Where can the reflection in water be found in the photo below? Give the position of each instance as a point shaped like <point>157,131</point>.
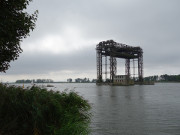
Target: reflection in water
<point>117,110</point>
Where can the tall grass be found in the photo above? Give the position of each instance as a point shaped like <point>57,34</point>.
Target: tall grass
<point>37,111</point>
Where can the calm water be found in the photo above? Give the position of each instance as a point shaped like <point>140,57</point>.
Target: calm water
<point>132,110</point>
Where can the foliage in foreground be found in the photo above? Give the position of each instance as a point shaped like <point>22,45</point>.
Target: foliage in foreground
<point>15,25</point>
<point>40,112</point>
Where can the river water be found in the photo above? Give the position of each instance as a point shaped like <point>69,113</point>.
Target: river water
<point>131,110</point>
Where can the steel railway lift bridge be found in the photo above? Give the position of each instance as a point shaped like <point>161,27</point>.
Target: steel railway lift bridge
<point>115,50</point>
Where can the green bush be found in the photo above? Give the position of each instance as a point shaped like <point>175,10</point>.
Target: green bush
<point>37,111</point>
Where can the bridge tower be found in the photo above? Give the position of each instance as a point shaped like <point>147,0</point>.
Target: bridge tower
<point>115,50</point>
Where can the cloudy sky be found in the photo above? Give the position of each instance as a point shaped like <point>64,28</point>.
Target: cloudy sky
<point>63,44</point>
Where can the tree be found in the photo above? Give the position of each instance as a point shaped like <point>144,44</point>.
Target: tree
<point>15,24</point>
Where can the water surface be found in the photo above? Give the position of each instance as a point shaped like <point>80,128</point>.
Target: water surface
<point>132,110</point>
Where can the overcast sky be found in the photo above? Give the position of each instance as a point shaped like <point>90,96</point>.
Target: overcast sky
<point>63,43</point>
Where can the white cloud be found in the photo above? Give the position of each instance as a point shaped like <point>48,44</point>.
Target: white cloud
<point>67,41</point>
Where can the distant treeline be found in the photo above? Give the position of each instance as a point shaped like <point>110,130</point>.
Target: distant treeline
<point>35,81</point>
<point>163,78</point>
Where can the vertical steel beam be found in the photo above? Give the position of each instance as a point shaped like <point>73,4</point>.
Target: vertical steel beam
<point>134,70</point>
<point>99,63</point>
<point>105,68</point>
<point>140,67</point>
<point>127,69</point>
<point>113,68</point>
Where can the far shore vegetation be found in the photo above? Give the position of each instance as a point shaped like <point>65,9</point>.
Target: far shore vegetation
<point>155,78</point>
<point>35,81</point>
<point>163,78</point>
<point>78,80</point>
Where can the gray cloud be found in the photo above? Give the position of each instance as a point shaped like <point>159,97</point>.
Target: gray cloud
<point>83,61</point>
<point>153,25</point>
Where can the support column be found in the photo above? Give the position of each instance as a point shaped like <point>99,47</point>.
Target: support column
<point>134,70</point>
<point>127,69</point>
<point>99,65</point>
<point>113,68</point>
<point>105,68</point>
<point>140,67</point>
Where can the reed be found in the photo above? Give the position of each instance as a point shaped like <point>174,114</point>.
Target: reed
<point>37,111</point>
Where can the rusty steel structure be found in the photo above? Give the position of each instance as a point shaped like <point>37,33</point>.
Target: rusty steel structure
<point>115,50</point>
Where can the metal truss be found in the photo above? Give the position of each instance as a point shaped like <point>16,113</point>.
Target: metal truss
<point>113,68</point>
<point>117,50</point>
<point>99,64</point>
<point>127,69</point>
